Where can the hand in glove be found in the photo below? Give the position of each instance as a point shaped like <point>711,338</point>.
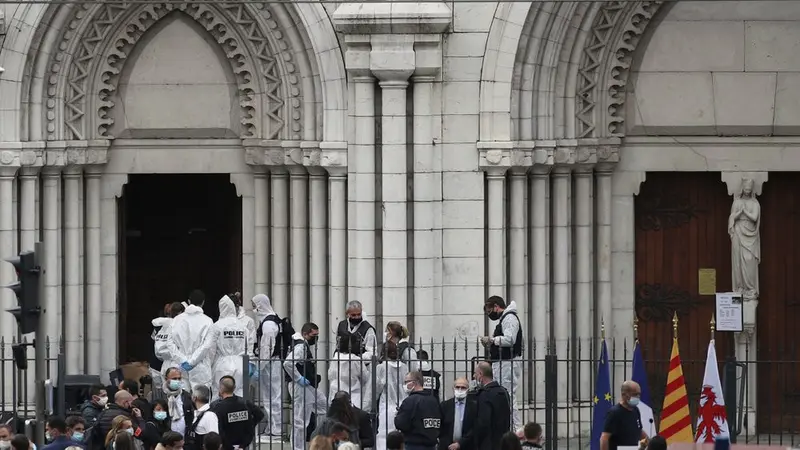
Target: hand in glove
<point>186,367</point>
<point>303,381</point>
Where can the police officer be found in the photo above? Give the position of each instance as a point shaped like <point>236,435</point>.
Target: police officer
<point>355,335</point>
<point>505,349</point>
<point>433,379</point>
<point>419,417</point>
<point>237,417</point>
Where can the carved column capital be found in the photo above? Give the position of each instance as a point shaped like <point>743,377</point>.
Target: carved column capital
<point>495,157</point>
<point>734,181</point>
<point>334,157</point>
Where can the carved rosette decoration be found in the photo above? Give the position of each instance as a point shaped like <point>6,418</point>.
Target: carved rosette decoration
<point>605,66</point>
<point>84,73</point>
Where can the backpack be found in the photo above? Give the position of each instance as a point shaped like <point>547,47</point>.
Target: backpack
<point>283,341</point>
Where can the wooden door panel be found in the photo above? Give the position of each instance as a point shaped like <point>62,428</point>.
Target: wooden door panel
<point>681,227</point>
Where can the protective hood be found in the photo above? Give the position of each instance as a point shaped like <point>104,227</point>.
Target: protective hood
<point>193,310</point>
<point>512,307</point>
<point>297,336</point>
<point>162,321</point>
<point>262,307</point>
<point>227,308</point>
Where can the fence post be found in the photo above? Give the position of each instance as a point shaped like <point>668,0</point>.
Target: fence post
<point>729,394</point>
<point>61,395</point>
<point>551,400</point>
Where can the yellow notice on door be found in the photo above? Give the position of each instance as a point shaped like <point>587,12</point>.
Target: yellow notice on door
<point>707,281</point>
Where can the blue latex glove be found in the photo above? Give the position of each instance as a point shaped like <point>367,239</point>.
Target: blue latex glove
<point>303,382</point>
<point>186,367</point>
<point>253,371</point>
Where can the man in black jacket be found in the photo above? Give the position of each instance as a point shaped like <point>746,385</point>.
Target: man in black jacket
<point>121,407</point>
<point>133,387</point>
<point>419,417</point>
<point>237,417</point>
<point>458,418</point>
<point>494,410</point>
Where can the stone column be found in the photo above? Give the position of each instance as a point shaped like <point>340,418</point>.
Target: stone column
<point>603,245</point>
<point>517,261</point>
<point>361,200</point>
<point>29,183</point>
<point>584,272</point>
<point>112,185</point>
<point>299,243</point>
<point>539,201</point>
<point>73,301</point>
<point>262,250</point>
<point>93,269</point>
<point>51,226</point>
<point>7,238</point>
<point>562,262</point>
<point>334,161</point>
<point>496,223</point>
<point>318,269</point>
<point>244,183</point>
<point>280,240</point>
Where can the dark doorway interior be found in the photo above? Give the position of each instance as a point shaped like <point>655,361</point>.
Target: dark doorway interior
<point>179,233</point>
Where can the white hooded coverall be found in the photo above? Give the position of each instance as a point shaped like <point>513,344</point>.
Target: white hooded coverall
<point>191,341</point>
<point>390,376</point>
<point>162,326</point>
<point>271,374</point>
<point>350,374</point>
<point>509,373</point>
<point>305,399</point>
<point>230,336</point>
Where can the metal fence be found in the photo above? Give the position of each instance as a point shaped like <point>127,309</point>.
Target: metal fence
<point>556,386</point>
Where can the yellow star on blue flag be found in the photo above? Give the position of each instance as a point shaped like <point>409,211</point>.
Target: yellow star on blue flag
<point>602,400</point>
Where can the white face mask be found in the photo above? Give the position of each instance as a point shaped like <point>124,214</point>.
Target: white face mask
<point>409,387</point>
<point>460,394</point>
<point>102,401</point>
<point>5,444</point>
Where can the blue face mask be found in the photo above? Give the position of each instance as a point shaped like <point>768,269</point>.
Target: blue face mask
<point>77,436</point>
<point>175,384</point>
<point>634,401</point>
<point>160,415</point>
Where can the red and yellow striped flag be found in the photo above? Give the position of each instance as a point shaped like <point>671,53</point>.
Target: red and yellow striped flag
<point>676,424</point>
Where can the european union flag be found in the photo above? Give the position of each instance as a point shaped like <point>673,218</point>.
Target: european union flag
<point>602,399</point>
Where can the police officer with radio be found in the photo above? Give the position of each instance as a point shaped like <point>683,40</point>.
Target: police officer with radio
<point>419,417</point>
<point>237,417</point>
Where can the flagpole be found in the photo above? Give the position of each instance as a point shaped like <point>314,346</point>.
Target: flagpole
<point>713,327</point>
<point>675,325</point>
<point>602,329</point>
<point>635,328</point>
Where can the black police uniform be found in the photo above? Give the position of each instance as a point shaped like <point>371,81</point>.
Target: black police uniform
<point>237,421</point>
<point>419,418</point>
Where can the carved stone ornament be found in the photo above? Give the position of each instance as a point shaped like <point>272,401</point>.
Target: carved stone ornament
<point>658,302</point>
<point>495,155</point>
<point>744,228</point>
<point>108,32</point>
<point>334,156</point>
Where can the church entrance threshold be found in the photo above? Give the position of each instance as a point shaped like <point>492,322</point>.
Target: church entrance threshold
<point>178,233</point>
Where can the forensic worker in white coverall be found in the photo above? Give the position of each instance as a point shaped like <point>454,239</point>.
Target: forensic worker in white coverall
<point>271,375</point>
<point>505,349</point>
<point>230,336</point>
<point>349,373</point>
<point>306,396</point>
<point>192,344</point>
<point>162,329</point>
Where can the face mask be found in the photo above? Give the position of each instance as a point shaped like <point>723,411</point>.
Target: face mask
<point>160,415</point>
<point>77,436</point>
<point>129,431</point>
<point>354,320</point>
<point>474,384</point>
<point>494,315</point>
<point>102,401</point>
<point>313,340</point>
<point>634,401</point>
<point>48,437</point>
<point>174,385</point>
<point>409,387</point>
<point>5,444</point>
<point>460,394</point>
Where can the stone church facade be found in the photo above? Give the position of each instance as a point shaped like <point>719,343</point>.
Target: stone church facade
<point>580,158</point>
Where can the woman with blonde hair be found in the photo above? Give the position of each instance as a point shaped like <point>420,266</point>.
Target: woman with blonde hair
<point>320,443</point>
<point>397,333</point>
<point>121,424</point>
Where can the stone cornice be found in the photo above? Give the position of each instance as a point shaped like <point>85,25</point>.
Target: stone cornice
<point>315,157</point>
<point>392,18</point>
<point>54,154</point>
<point>545,156</point>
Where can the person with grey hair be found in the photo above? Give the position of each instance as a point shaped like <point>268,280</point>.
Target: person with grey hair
<point>205,420</point>
<point>355,335</point>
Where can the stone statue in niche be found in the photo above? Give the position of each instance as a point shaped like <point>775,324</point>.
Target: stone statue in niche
<point>744,228</point>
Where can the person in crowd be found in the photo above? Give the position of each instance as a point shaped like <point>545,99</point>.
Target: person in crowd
<point>433,379</point>
<point>505,348</point>
<point>321,443</point>
<point>348,372</point>
<point>237,417</point>
<point>358,332</point>
<point>76,429</point>
<point>6,433</point>
<point>55,434</point>
<point>205,421</point>
<point>138,402</point>
<point>623,424</point>
<point>21,442</point>
<point>419,417</point>
<point>170,441</point>
<point>397,333</point>
<point>357,421</point>
<point>494,409</point>
<point>91,408</point>
<point>510,441</point>
<point>271,375</point>
<point>123,440</point>
<point>121,407</point>
<point>162,329</point>
<point>230,338</point>
<point>122,425</point>
<point>657,443</point>
<point>389,375</point>
<point>180,407</point>
<point>302,370</point>
<point>157,426</point>
<point>458,418</point>
<point>395,441</point>
<point>212,441</point>
<point>531,435</point>
<point>347,446</point>
<point>192,342</point>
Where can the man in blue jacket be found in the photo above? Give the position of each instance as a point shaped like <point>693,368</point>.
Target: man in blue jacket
<point>419,417</point>
<point>56,435</point>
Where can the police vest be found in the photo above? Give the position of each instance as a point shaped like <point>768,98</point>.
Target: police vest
<point>497,353</point>
<point>307,367</point>
<point>352,342</point>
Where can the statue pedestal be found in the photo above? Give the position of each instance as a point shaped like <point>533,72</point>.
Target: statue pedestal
<point>746,353</point>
